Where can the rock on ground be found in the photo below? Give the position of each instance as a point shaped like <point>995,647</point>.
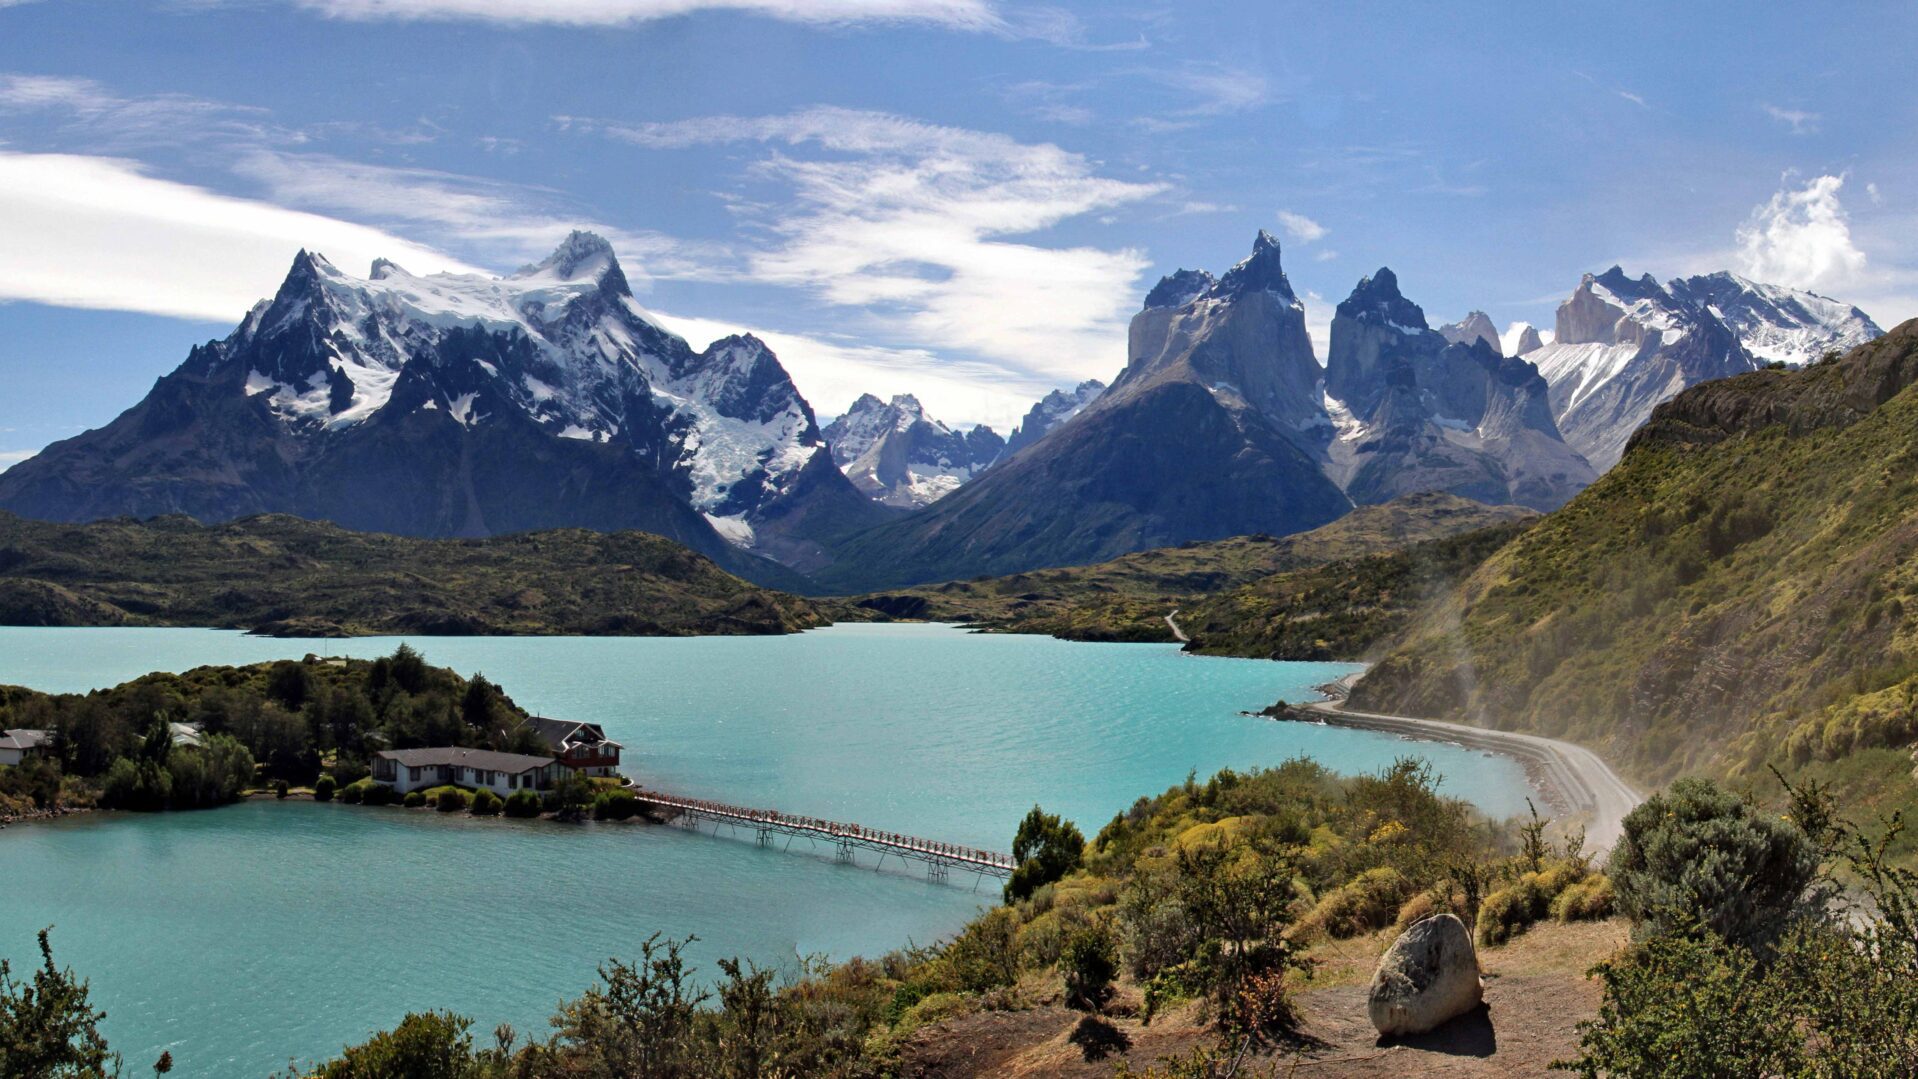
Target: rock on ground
<point>1429,975</point>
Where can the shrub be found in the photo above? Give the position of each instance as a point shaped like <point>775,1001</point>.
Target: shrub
<point>1588,900</point>
<point>1696,856</point>
<point>486,803</point>
<point>376,794</point>
<point>1089,964</point>
<point>1432,901</point>
<point>352,793</point>
<point>1507,912</point>
<point>1360,905</point>
<point>614,805</point>
<point>323,788</point>
<point>450,800</point>
<point>523,804</point>
<point>280,788</point>
<point>414,799</point>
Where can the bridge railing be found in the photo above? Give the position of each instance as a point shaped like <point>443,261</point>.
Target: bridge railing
<point>899,842</point>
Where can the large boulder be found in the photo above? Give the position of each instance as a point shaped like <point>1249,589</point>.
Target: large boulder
<point>1427,976</point>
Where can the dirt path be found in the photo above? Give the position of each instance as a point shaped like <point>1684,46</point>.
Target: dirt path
<point>1172,620</point>
<point>1574,779</point>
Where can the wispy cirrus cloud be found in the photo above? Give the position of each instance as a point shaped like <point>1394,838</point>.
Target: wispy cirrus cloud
<point>914,224</point>
<point>1302,228</point>
<point>1800,121</point>
<point>972,15</point>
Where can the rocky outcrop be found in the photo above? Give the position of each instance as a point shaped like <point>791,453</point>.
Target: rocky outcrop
<point>1428,976</point>
<point>1778,324</point>
<point>1522,338</point>
<point>1476,326</point>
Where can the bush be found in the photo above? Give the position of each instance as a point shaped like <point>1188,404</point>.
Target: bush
<point>352,793</point>
<point>486,803</point>
<point>414,799</point>
<point>1697,857</point>
<point>376,794</point>
<point>1089,964</point>
<point>1432,901</point>
<point>1588,900</point>
<point>1365,903</point>
<point>280,788</point>
<point>450,800</point>
<point>523,804</point>
<point>615,805</point>
<point>1509,911</point>
<point>323,789</point>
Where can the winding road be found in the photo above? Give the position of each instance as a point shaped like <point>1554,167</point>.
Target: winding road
<point>1578,781</point>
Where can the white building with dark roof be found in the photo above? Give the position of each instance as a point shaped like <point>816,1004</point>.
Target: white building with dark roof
<point>19,744</point>
<point>503,773</point>
<point>583,747</point>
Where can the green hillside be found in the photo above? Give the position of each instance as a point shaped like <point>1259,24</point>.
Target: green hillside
<point>1127,598</point>
<point>1737,592</point>
<point>292,577</point>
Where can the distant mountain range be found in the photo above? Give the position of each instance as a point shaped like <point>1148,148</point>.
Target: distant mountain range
<point>463,405</point>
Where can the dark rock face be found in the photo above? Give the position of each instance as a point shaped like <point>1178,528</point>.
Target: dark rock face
<point>453,405</point>
<point>899,456</point>
<point>1416,412</point>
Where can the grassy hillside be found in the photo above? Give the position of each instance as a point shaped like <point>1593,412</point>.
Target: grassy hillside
<point>1127,598</point>
<point>287,576</point>
<point>1739,591</point>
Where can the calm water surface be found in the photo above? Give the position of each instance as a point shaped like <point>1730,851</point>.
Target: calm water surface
<point>242,936</point>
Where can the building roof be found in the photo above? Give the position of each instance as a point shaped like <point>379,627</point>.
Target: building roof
<point>21,738</point>
<point>559,733</point>
<point>461,757</point>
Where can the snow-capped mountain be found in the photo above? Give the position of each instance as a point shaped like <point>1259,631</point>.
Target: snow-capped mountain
<point>1476,326</point>
<point>1623,346</point>
<point>1050,411</point>
<point>457,404</point>
<point>1778,324</point>
<point>897,455</point>
<point>1223,423</point>
<point>1417,409</point>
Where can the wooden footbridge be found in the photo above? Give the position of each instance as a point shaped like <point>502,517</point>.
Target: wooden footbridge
<point>844,840</point>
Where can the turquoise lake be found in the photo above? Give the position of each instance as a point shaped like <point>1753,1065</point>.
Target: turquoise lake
<point>243,937</point>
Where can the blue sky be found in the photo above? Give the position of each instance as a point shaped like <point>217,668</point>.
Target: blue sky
<point>960,198</point>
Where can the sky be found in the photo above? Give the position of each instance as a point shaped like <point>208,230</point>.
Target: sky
<point>961,199</point>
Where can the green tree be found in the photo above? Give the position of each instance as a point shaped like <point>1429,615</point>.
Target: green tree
<point>639,1021</point>
<point>1045,849</point>
<point>1089,963</point>
<point>48,1029</point>
<point>1697,857</point>
<point>426,1045</point>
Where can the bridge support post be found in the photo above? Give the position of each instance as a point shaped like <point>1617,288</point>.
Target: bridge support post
<point>765,837</point>
<point>845,851</point>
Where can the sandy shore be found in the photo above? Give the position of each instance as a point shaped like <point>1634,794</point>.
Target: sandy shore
<point>1575,782</point>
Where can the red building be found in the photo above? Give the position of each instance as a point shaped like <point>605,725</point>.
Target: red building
<point>582,747</point>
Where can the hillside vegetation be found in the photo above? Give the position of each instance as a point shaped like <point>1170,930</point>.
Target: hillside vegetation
<point>291,577</point>
<point>1127,598</point>
<point>1739,592</point>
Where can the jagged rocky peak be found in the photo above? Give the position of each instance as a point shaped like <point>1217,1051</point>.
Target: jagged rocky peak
<point>580,256</point>
<point>1053,409</point>
<point>1521,338</point>
<point>1178,288</point>
<point>897,455</point>
<point>1377,299</point>
<point>1261,271</point>
<point>1476,326</point>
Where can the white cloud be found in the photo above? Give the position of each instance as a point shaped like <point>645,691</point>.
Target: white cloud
<point>1633,98</point>
<point>98,232</point>
<point>1302,228</point>
<point>977,15</point>
<point>1325,255</point>
<point>1802,238</point>
<point>112,122</point>
<point>1800,121</point>
<point>912,224</point>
